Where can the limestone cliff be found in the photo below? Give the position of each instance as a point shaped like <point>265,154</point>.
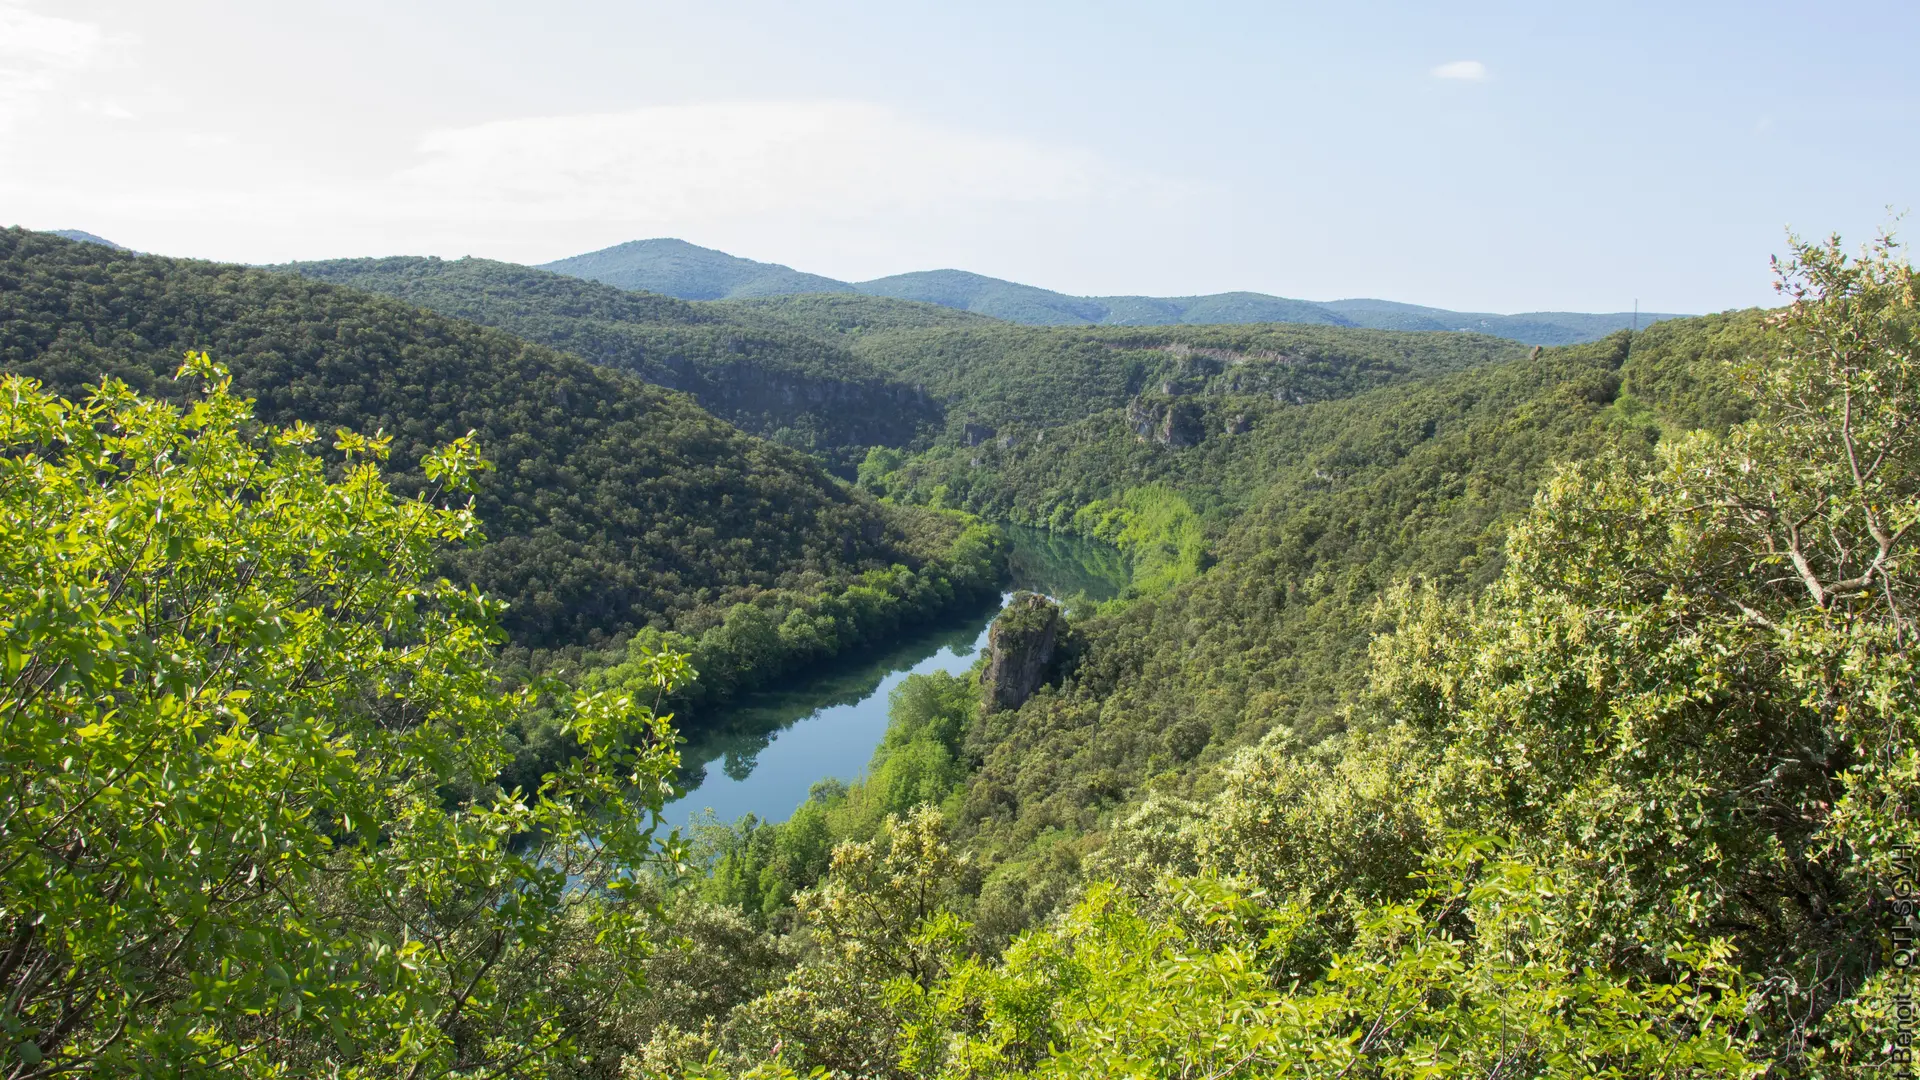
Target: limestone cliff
<point>1019,651</point>
<point>1169,421</point>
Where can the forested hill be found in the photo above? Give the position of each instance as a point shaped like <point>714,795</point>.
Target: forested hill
<point>1301,517</point>
<point>613,504</point>
<point>1452,700</point>
<point>763,376</point>
<point>677,268</point>
<point>1017,380</point>
<point>90,238</point>
<point>836,373</point>
<point>846,314</point>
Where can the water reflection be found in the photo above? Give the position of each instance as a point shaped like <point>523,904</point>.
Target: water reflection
<point>770,747</point>
<point>1072,570</point>
<point>752,723</point>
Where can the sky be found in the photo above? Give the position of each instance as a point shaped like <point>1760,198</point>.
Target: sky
<point>1486,157</point>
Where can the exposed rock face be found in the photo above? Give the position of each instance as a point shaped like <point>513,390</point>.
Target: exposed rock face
<point>1019,651</point>
<point>975,434</point>
<point>1168,421</point>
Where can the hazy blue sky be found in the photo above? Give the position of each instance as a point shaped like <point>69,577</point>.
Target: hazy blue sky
<point>1496,157</point>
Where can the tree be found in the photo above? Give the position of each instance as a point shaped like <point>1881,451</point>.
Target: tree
<point>249,736</point>
<point>1692,690</point>
<point>882,931</point>
<point>1470,977</point>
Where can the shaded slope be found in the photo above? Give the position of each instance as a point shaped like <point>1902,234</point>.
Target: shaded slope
<point>766,378</point>
<point>614,504</point>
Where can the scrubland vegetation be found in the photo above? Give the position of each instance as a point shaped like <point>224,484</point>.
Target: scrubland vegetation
<point>1471,712</point>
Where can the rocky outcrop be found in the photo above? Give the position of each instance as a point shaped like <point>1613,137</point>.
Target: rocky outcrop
<point>1196,356</point>
<point>1168,421</point>
<point>1019,651</point>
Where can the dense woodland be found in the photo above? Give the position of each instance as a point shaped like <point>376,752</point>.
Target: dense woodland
<point>1474,710</point>
<point>611,505</point>
<point>1017,381</point>
<point>802,390</point>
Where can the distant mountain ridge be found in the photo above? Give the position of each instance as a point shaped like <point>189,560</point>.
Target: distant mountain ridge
<point>690,272</point>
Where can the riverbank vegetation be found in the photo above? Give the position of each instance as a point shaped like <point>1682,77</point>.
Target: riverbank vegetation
<point>1566,814</point>
<point>1543,714</point>
<point>780,632</point>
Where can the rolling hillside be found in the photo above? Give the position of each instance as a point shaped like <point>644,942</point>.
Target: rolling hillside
<point>774,380</point>
<point>839,373</point>
<point>1016,380</point>
<point>613,504</point>
<point>677,268</point>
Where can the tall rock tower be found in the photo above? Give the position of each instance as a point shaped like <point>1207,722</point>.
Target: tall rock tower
<point>1019,651</point>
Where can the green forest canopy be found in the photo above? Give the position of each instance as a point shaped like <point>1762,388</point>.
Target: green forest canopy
<point>1018,379</point>
<point>836,374</point>
<point>794,387</point>
<point>1496,713</point>
<point>248,734</point>
<point>613,505</point>
<point>1545,714</point>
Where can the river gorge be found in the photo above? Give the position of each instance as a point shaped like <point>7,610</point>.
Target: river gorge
<point>771,747</point>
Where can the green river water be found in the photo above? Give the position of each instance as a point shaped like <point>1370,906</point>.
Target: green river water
<point>826,723</point>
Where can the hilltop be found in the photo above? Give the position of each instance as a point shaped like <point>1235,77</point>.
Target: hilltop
<point>677,268</point>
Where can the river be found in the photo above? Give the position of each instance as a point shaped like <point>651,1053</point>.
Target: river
<point>777,743</point>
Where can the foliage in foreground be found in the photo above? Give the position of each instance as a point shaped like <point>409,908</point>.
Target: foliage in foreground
<point>613,505</point>
<point>1687,708</point>
<point>1694,685</point>
<point>1472,975</point>
<point>1684,703</point>
<point>248,735</point>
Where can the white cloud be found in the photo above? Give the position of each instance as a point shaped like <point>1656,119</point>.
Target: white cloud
<point>1465,70</point>
<point>694,163</point>
<point>850,189</point>
<point>35,50</point>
